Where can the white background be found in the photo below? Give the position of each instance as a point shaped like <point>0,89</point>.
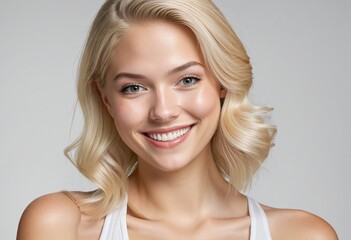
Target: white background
<point>300,52</point>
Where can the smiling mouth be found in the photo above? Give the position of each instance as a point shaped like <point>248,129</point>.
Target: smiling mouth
<point>168,136</point>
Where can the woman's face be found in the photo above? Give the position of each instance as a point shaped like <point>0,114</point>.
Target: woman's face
<point>164,102</point>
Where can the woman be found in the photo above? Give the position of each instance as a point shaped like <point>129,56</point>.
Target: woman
<point>170,136</point>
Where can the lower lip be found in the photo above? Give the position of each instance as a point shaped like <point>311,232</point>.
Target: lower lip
<point>169,144</point>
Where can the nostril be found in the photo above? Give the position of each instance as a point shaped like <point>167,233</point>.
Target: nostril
<point>163,114</point>
<point>165,107</point>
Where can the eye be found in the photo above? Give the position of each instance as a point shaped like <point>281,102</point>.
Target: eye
<point>188,81</point>
<point>132,88</point>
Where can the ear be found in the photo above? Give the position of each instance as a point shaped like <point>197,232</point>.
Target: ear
<point>222,93</point>
<point>104,97</point>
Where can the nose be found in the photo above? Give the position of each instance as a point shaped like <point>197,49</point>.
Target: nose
<point>164,107</point>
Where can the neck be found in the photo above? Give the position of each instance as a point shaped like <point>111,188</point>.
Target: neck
<point>193,190</point>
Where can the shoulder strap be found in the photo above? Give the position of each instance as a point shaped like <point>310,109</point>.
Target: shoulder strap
<point>259,224</point>
<point>115,224</point>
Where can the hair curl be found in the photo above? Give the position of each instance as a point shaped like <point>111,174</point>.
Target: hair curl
<point>243,138</point>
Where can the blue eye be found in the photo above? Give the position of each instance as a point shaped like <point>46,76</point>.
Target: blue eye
<point>132,88</point>
<point>188,81</point>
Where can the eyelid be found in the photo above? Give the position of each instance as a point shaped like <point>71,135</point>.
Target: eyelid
<point>190,75</point>
<point>125,86</point>
<point>193,76</point>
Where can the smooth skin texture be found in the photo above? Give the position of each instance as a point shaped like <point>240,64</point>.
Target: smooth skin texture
<point>158,83</point>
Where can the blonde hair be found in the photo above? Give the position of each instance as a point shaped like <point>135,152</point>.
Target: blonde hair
<point>242,140</point>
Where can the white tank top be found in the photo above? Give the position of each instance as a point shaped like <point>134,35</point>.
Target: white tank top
<point>115,225</point>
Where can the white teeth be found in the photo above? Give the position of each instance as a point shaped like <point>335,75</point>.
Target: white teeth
<point>164,137</point>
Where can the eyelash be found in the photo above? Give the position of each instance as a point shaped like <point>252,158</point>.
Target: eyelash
<point>127,89</point>
<point>194,79</point>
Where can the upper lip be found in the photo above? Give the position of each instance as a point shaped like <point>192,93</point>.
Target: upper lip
<point>168,129</point>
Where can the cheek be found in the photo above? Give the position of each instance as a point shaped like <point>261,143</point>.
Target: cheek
<point>205,103</point>
<point>127,115</point>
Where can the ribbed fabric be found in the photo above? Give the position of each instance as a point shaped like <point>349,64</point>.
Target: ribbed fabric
<point>259,229</point>
<point>115,225</point>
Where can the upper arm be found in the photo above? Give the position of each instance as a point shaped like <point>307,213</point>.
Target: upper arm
<point>51,217</point>
<point>296,224</point>
<point>318,227</point>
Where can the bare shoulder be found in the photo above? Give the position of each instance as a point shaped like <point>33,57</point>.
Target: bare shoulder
<point>57,216</point>
<point>53,216</point>
<point>297,224</point>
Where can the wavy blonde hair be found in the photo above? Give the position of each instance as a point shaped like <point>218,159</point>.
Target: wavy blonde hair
<point>243,138</point>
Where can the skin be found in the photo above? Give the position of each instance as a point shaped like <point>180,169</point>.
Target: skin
<point>157,82</point>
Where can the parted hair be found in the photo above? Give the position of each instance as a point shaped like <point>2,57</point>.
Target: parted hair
<point>243,138</point>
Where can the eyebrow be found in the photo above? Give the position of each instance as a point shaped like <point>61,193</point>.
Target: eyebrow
<point>169,73</point>
<point>183,67</point>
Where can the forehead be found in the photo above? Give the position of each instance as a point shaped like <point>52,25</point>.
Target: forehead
<point>143,32</point>
<point>153,44</point>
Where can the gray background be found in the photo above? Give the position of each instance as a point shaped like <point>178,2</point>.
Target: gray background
<point>301,57</point>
